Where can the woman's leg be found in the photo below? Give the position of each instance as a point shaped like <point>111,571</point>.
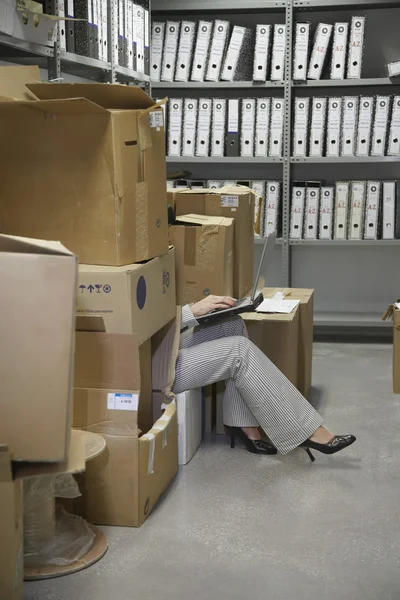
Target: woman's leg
<point>282,412</point>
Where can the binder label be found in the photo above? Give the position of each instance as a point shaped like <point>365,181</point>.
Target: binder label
<point>233,116</point>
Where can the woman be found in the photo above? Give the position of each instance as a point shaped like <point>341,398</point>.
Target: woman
<point>257,393</point>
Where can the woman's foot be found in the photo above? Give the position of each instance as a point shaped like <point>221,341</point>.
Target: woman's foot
<point>252,440</point>
<point>325,442</point>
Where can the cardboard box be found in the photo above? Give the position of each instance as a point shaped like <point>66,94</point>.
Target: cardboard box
<point>204,257</point>
<point>37,308</point>
<point>138,298</point>
<point>171,195</point>
<point>232,202</point>
<point>393,311</point>
<point>27,25</point>
<point>122,486</point>
<point>104,193</point>
<point>190,409</point>
<point>306,333</point>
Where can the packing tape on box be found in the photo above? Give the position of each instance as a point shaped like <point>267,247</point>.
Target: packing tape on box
<point>151,438</point>
<point>142,216</point>
<point>207,251</point>
<point>162,425</point>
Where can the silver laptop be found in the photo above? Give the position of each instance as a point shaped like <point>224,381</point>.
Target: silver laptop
<point>245,304</point>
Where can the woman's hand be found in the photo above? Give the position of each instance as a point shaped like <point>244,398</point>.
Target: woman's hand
<point>211,303</point>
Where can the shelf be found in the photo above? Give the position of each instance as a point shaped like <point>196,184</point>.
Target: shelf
<point>216,85</point>
<point>130,75</point>
<point>223,159</point>
<point>28,47</point>
<point>261,241</point>
<point>344,159</point>
<point>217,5</point>
<point>376,81</point>
<point>330,319</point>
<point>83,66</point>
<point>342,4</point>
<point>347,243</point>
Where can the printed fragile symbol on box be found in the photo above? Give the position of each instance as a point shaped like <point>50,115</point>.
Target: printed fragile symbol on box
<point>97,288</point>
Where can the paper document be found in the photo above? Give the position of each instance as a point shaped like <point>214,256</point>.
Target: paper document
<point>276,305</point>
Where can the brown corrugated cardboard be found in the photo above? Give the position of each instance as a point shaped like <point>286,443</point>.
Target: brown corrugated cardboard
<point>235,202</point>
<point>123,484</point>
<point>203,257</point>
<point>37,308</point>
<point>13,81</point>
<point>171,195</point>
<point>306,332</point>
<point>277,335</point>
<point>393,311</point>
<point>104,193</point>
<point>138,299</point>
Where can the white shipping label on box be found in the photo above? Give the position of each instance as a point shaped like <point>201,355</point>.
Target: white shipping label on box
<point>278,53</point>
<point>262,126</point>
<point>349,125</point>
<point>297,213</point>
<point>326,213</point>
<point>333,129</point>
<point>389,210</point>
<point>372,210</point>
<point>394,132</point>
<point>204,127</point>
<point>380,127</point>
<point>157,44</point>
<point>261,52</point>
<point>201,50</point>
<point>189,126</point>
<point>276,129</point>
<point>311,213</point>
<point>218,127</point>
<point>232,55</point>
<point>341,209</point>
<point>301,49</point>
<point>364,125</point>
<point>248,123</point>
<point>229,201</point>
<point>356,48</point>
<point>218,44</point>
<point>185,50</point>
<point>357,208</point>
<point>339,50</point>
<point>175,127</point>
<point>319,51</point>
<point>123,402</point>
<point>170,51</point>
<point>273,195</point>
<point>301,121</point>
<point>156,119</point>
<point>317,133</point>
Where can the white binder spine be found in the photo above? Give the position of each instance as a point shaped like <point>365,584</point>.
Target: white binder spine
<point>301,126</point>
<point>339,50</point>
<point>342,189</point>
<point>140,36</point>
<point>114,36</point>
<point>262,126</point>
<point>357,210</point>
<point>317,133</point>
<point>394,132</point>
<point>276,130</point>
<point>319,51</point>
<point>247,130</point>
<point>349,125</point>
<point>380,127</point>
<point>301,51</point>
<point>333,129</point>
<point>104,22</point>
<point>389,210</point>
<point>170,50</point>
<point>278,53</point>
<point>297,212</point>
<point>372,210</point>
<point>356,48</point>
<point>185,50</point>
<point>218,127</point>
<point>272,207</point>
<point>204,127</point>
<point>232,54</point>
<point>218,46</point>
<point>157,45</point>
<point>262,52</point>
<point>364,125</point>
<point>189,126</point>
<point>175,127</point>
<point>201,50</point>
<point>326,213</point>
<point>311,212</point>
<point>213,184</point>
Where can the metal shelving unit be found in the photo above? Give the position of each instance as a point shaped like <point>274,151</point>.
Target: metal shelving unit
<point>301,266</point>
<point>223,159</point>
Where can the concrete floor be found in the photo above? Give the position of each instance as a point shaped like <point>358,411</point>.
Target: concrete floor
<point>238,526</point>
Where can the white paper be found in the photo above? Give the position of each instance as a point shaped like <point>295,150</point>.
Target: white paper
<point>275,305</point>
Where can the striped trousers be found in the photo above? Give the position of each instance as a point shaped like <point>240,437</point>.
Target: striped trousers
<point>257,393</point>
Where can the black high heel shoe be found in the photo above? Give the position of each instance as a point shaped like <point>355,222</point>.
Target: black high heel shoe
<point>339,442</point>
<point>254,446</point>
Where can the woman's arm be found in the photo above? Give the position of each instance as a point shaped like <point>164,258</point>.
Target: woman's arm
<point>188,318</point>
<point>189,313</point>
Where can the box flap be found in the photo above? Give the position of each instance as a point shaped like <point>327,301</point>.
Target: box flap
<point>21,245</point>
<point>203,220</point>
<point>13,82</point>
<point>238,190</point>
<point>110,96</point>
<point>74,106</point>
<point>107,361</point>
<point>165,348</point>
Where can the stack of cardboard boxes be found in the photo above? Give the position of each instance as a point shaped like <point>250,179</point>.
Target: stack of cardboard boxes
<point>94,177</point>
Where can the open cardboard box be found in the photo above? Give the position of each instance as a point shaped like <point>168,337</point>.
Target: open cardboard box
<point>393,311</point>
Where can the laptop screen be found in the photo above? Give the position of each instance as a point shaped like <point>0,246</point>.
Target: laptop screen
<point>267,250</point>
